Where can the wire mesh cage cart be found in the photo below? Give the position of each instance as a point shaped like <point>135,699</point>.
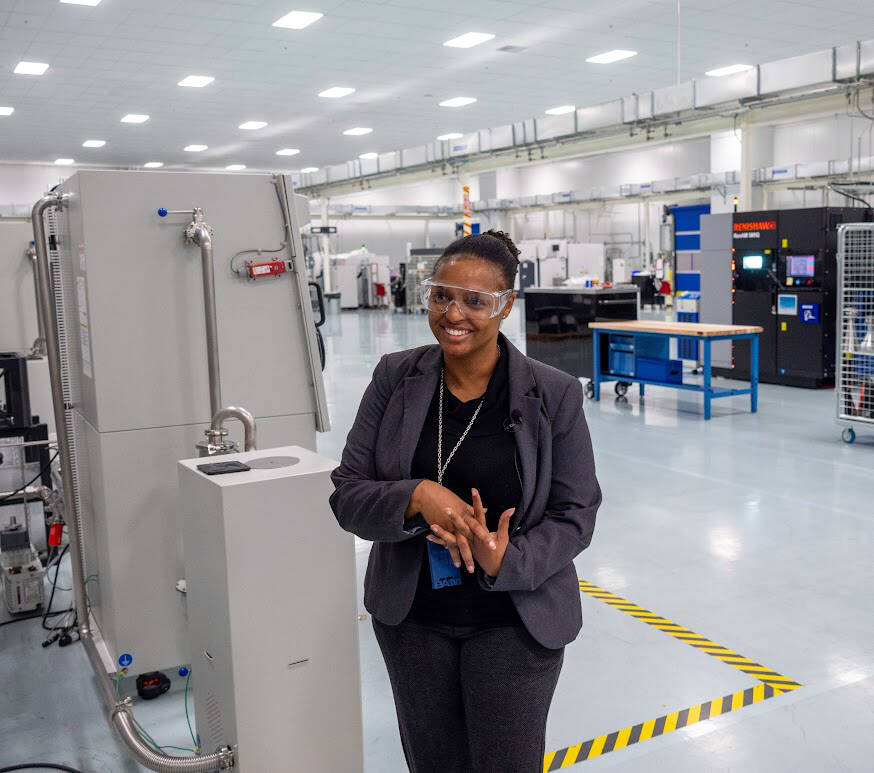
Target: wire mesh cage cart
<point>855,338</point>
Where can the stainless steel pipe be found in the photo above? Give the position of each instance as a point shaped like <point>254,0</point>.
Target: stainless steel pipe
<point>39,346</point>
<point>199,233</point>
<point>235,412</point>
<point>120,712</point>
<point>46,310</point>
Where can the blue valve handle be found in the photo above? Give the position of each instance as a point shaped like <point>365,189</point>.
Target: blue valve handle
<point>162,212</point>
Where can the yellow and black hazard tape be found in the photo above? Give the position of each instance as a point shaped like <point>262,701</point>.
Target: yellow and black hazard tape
<point>564,758</point>
<point>729,657</point>
<point>773,684</point>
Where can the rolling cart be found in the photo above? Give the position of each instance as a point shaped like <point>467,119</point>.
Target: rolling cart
<point>855,331</point>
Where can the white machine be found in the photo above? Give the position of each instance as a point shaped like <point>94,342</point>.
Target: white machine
<point>274,636</point>
<point>586,260</point>
<point>346,273</point>
<point>144,366</point>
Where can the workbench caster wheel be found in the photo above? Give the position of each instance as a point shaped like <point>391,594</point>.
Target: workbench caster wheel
<point>589,390</point>
<point>848,435</point>
<point>621,388</point>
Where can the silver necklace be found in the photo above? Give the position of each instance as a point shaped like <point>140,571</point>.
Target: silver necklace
<point>441,468</point>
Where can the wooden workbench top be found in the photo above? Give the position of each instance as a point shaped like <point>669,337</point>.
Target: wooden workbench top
<point>700,329</point>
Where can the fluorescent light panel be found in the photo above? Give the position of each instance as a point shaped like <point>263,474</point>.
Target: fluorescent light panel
<point>368,156</point>
<point>195,148</point>
<point>336,92</point>
<point>357,131</point>
<point>235,167</point>
<point>450,136</point>
<point>135,118</point>
<point>608,57</point>
<point>469,40</point>
<point>732,69</point>
<point>7,110</point>
<point>309,169</point>
<point>253,125</point>
<point>458,102</point>
<point>93,143</point>
<point>561,110</point>
<point>287,152</point>
<point>153,164</point>
<point>30,68</point>
<point>196,81</point>
<point>64,161</point>
<point>297,20</point>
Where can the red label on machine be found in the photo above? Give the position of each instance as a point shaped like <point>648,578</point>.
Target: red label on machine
<point>756,225</point>
<point>273,268</point>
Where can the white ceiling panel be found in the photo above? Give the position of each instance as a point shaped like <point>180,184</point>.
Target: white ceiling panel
<point>127,56</point>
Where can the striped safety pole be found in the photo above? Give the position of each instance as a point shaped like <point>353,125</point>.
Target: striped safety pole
<point>466,226</point>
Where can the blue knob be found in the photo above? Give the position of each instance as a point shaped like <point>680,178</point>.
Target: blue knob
<point>183,672</point>
<point>162,212</point>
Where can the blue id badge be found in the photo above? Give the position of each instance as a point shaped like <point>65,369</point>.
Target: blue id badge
<point>444,574</point>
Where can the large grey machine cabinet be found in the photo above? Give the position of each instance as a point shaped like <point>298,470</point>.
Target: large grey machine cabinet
<point>135,363</point>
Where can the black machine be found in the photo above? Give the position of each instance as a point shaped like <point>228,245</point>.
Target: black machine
<point>16,420</point>
<point>557,322</point>
<point>784,279</point>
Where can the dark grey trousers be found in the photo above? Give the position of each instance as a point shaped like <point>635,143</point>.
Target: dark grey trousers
<point>470,701</point>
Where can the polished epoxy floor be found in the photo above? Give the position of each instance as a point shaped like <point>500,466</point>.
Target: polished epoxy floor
<point>755,532</point>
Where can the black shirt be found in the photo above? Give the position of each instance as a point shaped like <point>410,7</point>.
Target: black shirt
<point>486,460</point>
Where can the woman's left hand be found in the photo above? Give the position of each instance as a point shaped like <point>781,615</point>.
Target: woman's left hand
<point>488,554</point>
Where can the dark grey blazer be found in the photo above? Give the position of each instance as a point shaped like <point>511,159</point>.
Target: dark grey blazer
<point>560,493</point>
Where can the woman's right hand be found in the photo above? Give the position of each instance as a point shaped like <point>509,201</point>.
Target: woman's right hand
<point>437,504</point>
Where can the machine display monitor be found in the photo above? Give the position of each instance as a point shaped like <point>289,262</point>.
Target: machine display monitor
<point>800,265</point>
<point>753,262</point>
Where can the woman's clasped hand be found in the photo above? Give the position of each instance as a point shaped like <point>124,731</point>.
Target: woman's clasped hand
<point>468,539</point>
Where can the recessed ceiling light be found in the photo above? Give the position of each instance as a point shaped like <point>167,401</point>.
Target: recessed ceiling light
<point>732,69</point>
<point>93,143</point>
<point>287,152</point>
<point>616,55</point>
<point>560,110</point>
<point>235,167</point>
<point>335,92</point>
<point>64,161</point>
<point>30,68</point>
<point>357,131</point>
<point>196,81</point>
<point>309,169</point>
<point>135,118</point>
<point>195,148</point>
<point>81,2</point>
<point>153,164</point>
<point>450,136</point>
<point>7,110</point>
<point>469,40</point>
<point>368,156</point>
<point>457,102</point>
<point>297,20</point>
<point>252,125</point>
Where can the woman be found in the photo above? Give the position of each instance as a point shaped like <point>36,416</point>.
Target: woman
<point>470,468</point>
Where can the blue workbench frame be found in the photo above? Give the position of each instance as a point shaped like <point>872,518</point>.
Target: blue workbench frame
<point>710,392</point>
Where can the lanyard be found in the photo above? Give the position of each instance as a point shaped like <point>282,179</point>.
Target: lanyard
<point>441,468</point>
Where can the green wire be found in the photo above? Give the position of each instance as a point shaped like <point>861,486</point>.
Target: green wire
<point>187,716</point>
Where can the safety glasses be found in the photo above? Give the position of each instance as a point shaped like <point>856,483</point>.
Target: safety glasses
<point>473,304</point>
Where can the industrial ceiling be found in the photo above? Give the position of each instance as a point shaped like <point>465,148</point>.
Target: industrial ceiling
<point>127,56</point>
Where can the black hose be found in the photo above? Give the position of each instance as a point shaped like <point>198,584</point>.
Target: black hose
<point>39,766</point>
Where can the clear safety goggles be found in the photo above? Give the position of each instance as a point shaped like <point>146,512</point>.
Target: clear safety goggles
<point>473,304</point>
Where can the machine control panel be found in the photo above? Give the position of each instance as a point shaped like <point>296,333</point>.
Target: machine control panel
<point>801,270</point>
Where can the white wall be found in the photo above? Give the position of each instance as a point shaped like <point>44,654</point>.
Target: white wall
<point>22,184</point>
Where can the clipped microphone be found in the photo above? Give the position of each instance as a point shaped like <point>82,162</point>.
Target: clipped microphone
<point>513,421</point>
